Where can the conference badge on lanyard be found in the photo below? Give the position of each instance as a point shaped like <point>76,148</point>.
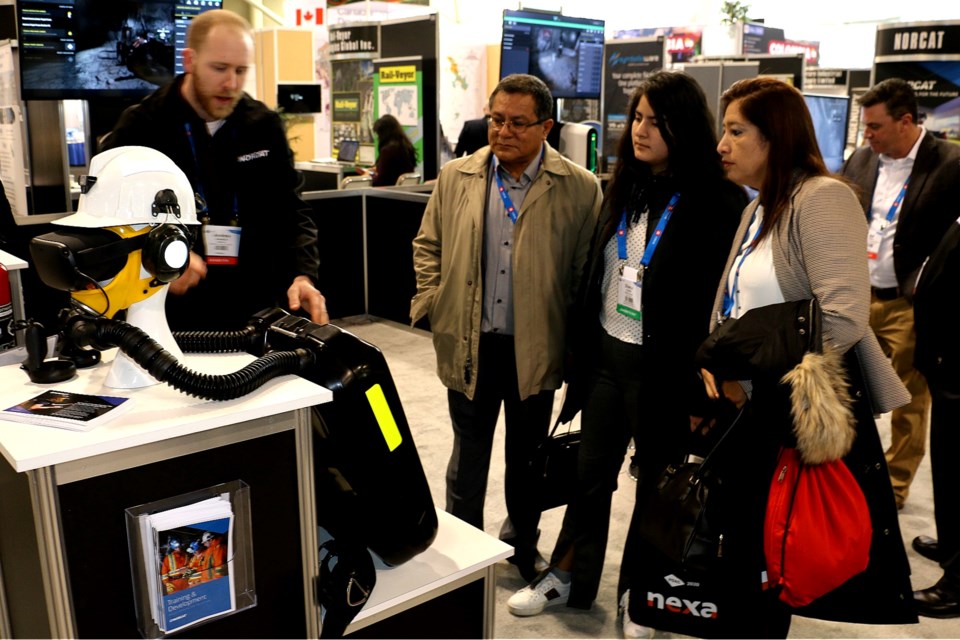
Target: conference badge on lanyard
<point>629,294</point>
<point>630,289</point>
<point>221,244</point>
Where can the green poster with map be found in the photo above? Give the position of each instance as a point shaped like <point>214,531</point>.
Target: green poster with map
<point>398,91</point>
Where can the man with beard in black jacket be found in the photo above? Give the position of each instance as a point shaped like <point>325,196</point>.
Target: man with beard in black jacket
<point>258,244</point>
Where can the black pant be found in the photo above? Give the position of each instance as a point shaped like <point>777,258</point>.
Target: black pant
<point>944,447</point>
<point>474,422</point>
<point>621,402</point>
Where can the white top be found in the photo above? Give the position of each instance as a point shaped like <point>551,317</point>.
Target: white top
<point>893,173</point>
<point>159,412</point>
<point>757,284</point>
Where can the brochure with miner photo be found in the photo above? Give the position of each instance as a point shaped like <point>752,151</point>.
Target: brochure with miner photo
<point>191,576</point>
<point>191,558</point>
<point>67,410</point>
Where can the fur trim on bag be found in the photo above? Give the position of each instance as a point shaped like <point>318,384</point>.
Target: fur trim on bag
<point>821,407</point>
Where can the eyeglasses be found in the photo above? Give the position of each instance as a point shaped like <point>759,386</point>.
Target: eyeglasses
<point>496,124</point>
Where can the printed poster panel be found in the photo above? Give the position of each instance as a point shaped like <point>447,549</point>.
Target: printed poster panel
<point>352,101</point>
<point>927,55</point>
<point>683,43</point>
<point>11,135</point>
<point>463,85</point>
<point>756,38</point>
<point>398,87</point>
<point>626,64</point>
<point>937,86</point>
<point>351,49</point>
<point>398,92</point>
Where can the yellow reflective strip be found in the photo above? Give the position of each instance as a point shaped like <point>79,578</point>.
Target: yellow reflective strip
<point>381,411</point>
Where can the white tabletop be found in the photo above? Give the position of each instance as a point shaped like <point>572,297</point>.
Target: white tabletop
<point>11,262</point>
<point>316,165</point>
<point>158,413</point>
<point>459,550</point>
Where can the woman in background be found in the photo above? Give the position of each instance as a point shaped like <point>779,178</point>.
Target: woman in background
<point>667,220</point>
<point>801,238</point>
<point>396,155</point>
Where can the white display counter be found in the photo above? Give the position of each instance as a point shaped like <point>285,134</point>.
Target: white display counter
<point>63,493</point>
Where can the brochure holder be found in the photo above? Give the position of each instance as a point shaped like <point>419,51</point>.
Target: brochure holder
<point>191,558</point>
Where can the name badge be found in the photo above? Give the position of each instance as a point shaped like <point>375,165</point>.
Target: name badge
<point>629,293</point>
<point>222,244</point>
<point>874,237</point>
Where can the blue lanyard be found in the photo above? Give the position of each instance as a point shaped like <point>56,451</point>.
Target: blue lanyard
<point>654,239</point>
<point>728,298</point>
<point>196,161</point>
<point>896,202</point>
<point>507,202</point>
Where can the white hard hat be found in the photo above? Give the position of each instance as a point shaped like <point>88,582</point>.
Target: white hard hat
<point>123,187</point>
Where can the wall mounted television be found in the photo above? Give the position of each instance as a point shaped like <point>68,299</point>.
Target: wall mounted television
<point>85,49</point>
<point>564,52</point>
<point>299,98</point>
<point>830,116</point>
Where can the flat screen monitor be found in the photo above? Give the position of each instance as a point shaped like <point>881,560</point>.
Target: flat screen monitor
<point>830,115</point>
<point>84,49</point>
<point>299,98</point>
<point>348,151</point>
<point>564,52</point>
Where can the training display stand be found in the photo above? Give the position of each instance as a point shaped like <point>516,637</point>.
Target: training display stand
<point>63,495</point>
<point>191,557</point>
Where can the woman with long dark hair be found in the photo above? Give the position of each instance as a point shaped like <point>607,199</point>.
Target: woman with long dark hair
<point>802,238</point>
<point>668,217</point>
<point>396,155</point>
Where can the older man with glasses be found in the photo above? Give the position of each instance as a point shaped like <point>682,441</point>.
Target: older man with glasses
<point>498,260</point>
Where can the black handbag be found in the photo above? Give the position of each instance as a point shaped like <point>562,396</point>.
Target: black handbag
<point>677,517</point>
<point>555,466</point>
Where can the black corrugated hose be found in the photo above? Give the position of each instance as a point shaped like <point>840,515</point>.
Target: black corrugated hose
<point>104,333</point>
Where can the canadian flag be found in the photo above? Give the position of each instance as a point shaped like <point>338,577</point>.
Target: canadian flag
<point>307,17</point>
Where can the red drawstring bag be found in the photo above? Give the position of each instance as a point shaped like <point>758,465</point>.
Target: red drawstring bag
<point>817,529</point>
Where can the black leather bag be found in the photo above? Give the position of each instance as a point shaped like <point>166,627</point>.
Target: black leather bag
<point>678,519</point>
<point>555,466</point>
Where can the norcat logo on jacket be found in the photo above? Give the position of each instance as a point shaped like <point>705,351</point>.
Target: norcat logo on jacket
<point>247,157</point>
<point>674,604</point>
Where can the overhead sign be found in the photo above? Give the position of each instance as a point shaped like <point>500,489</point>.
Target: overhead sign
<point>357,39</point>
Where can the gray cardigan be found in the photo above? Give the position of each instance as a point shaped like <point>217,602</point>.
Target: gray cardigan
<point>819,250</point>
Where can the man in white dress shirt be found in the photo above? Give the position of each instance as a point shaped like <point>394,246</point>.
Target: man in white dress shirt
<point>909,187</point>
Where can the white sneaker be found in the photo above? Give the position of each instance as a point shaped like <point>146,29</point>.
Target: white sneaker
<point>546,590</point>
<point>630,628</point>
